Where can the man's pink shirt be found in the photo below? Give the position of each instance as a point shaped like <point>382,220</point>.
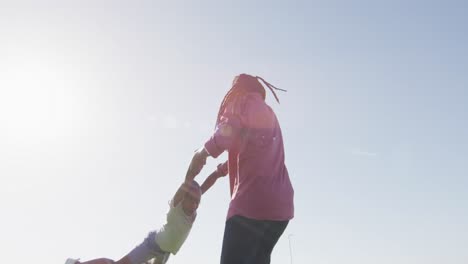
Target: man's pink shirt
<point>259,180</point>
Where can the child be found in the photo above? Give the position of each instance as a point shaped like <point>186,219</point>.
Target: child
<point>159,244</point>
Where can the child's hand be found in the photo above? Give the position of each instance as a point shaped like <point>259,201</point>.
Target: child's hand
<point>197,163</point>
<point>222,169</point>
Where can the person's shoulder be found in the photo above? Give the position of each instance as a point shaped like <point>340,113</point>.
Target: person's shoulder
<point>173,206</point>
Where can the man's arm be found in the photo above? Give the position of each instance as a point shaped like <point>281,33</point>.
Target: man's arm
<point>225,134</point>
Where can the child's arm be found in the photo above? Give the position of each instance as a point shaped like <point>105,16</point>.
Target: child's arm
<point>221,171</point>
<point>179,195</point>
<point>209,181</point>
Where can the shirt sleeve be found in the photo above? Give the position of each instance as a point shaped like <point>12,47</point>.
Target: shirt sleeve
<point>227,130</point>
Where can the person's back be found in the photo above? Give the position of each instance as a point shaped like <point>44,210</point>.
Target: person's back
<point>261,192</point>
<point>262,188</point>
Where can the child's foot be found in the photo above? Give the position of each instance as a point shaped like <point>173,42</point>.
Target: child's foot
<point>72,261</point>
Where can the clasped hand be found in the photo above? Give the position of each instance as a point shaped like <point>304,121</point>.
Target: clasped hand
<point>197,163</point>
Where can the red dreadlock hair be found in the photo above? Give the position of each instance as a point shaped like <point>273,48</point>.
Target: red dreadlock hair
<point>242,84</point>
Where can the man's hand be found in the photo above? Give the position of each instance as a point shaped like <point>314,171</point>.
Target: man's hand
<point>197,163</point>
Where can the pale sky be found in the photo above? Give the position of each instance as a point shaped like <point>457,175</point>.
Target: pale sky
<point>102,104</point>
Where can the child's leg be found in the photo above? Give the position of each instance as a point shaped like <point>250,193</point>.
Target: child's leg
<point>147,250</point>
<point>124,260</point>
<point>98,261</point>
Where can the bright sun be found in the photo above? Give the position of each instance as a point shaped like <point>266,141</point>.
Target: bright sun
<point>36,105</point>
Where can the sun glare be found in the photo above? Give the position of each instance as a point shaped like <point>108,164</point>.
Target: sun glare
<point>36,105</point>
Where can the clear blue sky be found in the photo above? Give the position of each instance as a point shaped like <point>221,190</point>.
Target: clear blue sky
<point>103,102</point>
